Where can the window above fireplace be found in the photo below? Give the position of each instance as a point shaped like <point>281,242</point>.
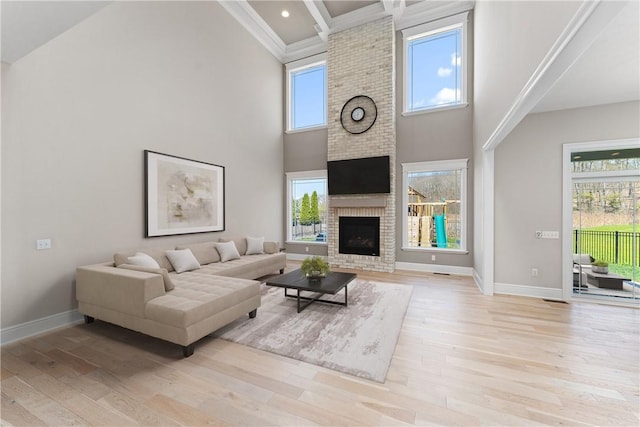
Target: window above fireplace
<point>307,93</point>
<point>435,64</point>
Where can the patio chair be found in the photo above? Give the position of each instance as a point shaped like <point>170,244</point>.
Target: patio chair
<point>581,264</point>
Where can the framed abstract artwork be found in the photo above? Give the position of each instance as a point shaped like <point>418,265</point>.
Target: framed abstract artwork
<point>182,196</point>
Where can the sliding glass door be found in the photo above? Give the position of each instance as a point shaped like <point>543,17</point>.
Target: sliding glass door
<point>605,238</point>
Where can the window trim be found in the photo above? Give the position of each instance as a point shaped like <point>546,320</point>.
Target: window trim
<point>431,166</point>
<point>291,176</point>
<point>429,29</point>
<point>299,65</point>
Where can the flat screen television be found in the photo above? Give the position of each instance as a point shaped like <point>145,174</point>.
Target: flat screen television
<point>369,175</point>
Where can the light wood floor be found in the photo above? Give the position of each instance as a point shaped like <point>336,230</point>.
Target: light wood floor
<point>462,359</point>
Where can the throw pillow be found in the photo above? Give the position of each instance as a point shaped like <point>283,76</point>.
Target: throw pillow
<point>255,245</point>
<point>143,259</point>
<point>240,242</point>
<point>158,253</point>
<point>168,283</point>
<point>183,260</point>
<point>122,257</point>
<point>227,251</point>
<point>271,247</point>
<point>205,253</point>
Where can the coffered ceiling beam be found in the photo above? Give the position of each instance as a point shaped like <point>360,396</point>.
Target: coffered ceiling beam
<point>358,17</point>
<point>249,18</point>
<point>394,7</point>
<point>321,15</point>
<point>427,11</point>
<point>404,16</point>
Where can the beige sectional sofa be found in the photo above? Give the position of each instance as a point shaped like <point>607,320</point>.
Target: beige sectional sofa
<point>216,288</point>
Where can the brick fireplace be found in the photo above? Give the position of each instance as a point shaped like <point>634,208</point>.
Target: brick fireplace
<point>361,61</point>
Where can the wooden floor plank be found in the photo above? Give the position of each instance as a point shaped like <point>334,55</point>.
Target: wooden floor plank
<point>13,413</point>
<point>184,414</point>
<point>311,412</point>
<point>135,409</point>
<point>38,404</point>
<point>76,363</point>
<point>462,358</point>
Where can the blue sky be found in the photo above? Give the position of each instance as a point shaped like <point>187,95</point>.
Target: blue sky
<point>436,79</point>
<point>308,89</point>
<point>308,186</point>
<point>437,71</point>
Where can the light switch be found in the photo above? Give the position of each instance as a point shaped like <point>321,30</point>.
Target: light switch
<point>43,244</point>
<point>547,234</point>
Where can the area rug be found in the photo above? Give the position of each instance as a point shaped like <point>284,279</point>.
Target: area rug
<point>358,339</point>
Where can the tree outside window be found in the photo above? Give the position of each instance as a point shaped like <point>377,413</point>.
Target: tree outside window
<point>307,194</point>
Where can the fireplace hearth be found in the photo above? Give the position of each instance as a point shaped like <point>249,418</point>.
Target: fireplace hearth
<point>359,235</point>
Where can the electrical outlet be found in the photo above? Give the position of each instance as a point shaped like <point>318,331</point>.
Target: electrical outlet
<point>534,272</point>
<point>433,257</point>
<point>306,248</point>
<point>43,244</point>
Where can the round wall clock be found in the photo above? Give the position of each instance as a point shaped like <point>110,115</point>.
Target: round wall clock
<point>358,114</point>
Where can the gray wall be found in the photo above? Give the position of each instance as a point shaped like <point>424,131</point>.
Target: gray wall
<point>528,186</point>
<point>432,136</point>
<point>441,135</point>
<point>423,137</point>
<point>304,151</point>
<point>78,113</point>
<point>510,40</point>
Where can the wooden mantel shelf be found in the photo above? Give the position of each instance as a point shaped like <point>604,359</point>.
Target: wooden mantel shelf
<point>358,202</point>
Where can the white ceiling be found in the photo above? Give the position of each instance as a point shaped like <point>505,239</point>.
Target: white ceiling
<point>27,25</point>
<point>608,72</point>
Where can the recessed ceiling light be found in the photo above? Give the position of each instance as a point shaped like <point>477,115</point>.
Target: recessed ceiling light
<point>285,13</point>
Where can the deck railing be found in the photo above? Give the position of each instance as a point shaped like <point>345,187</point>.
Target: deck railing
<point>616,247</point>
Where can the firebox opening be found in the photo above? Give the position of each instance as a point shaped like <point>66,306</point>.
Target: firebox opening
<point>359,235</point>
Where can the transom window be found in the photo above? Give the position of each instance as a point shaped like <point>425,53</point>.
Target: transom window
<point>307,93</point>
<point>307,206</point>
<point>435,64</point>
<point>434,194</point>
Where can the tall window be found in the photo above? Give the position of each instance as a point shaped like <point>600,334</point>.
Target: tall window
<point>435,196</point>
<point>307,206</point>
<point>435,64</point>
<point>307,93</point>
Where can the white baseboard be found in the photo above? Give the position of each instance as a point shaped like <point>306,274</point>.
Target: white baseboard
<point>528,291</point>
<point>498,288</point>
<point>39,326</point>
<point>411,266</point>
<point>478,280</point>
<point>435,268</point>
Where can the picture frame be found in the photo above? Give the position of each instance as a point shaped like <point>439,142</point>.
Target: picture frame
<point>182,196</point>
